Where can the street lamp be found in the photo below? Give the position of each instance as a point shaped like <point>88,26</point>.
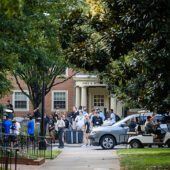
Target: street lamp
<point>42,143</point>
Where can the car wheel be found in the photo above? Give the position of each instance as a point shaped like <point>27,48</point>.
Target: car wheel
<point>135,144</point>
<point>168,143</point>
<point>108,142</point>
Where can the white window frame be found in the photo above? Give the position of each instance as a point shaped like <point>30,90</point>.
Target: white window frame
<point>13,101</point>
<point>54,91</point>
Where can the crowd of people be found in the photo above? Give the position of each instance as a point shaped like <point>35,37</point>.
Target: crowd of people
<point>59,122</point>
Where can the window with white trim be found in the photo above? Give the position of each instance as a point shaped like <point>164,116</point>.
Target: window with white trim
<point>98,100</point>
<point>20,101</point>
<point>60,100</point>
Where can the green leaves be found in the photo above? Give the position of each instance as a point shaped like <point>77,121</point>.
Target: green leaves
<point>130,48</point>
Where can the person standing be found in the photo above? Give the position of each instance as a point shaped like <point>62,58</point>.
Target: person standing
<point>91,115</point>
<point>6,125</point>
<point>97,120</point>
<point>100,113</point>
<point>60,125</point>
<point>13,133</point>
<point>80,121</point>
<point>51,127</point>
<point>10,107</point>
<point>112,116</point>
<point>86,131</point>
<point>30,127</point>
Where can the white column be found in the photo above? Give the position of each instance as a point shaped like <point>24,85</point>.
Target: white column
<point>114,104</point>
<point>84,96</point>
<point>77,97</point>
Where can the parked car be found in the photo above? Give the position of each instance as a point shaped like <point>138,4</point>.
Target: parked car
<point>109,136</point>
<point>142,140</point>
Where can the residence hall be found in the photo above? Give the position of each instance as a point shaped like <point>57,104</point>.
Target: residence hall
<point>80,90</point>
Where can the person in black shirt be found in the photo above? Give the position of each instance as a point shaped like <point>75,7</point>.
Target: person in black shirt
<point>51,127</point>
<point>66,122</point>
<point>97,120</point>
<point>10,107</point>
<point>37,114</point>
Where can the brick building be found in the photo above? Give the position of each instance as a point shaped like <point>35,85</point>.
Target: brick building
<point>81,89</point>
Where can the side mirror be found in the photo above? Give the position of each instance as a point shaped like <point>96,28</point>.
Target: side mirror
<point>123,125</point>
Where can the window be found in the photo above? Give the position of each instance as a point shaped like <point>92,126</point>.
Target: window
<point>64,72</point>
<point>98,100</point>
<point>20,101</point>
<point>59,100</point>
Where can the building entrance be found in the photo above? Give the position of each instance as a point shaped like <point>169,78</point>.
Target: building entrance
<point>98,98</point>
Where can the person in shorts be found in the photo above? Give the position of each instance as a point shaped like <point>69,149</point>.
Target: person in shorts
<point>51,127</point>
<point>86,131</point>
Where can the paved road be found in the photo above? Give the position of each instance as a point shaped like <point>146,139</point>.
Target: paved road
<point>81,158</point>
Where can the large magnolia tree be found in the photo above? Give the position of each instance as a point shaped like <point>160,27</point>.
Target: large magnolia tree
<point>128,43</point>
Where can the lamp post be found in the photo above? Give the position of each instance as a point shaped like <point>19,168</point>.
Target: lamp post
<point>42,143</point>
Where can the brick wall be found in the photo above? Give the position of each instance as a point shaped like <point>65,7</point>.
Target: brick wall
<point>67,85</point>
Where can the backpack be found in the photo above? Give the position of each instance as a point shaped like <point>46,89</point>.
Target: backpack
<point>117,118</point>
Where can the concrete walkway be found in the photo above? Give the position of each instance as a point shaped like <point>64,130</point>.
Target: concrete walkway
<point>83,159</point>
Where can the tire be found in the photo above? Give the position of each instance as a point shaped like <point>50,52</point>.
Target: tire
<point>168,143</point>
<point>136,144</point>
<point>108,142</point>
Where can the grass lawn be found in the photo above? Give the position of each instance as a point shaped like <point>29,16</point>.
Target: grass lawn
<point>147,158</point>
<point>41,154</point>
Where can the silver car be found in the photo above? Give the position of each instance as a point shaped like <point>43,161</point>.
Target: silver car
<point>109,136</point>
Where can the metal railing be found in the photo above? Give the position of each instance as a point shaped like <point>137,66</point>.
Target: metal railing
<point>8,158</point>
<point>28,146</point>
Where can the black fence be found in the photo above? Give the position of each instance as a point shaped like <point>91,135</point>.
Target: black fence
<point>8,158</point>
<point>28,146</point>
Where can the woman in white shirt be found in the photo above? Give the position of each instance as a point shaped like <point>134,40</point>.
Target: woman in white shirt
<point>60,125</point>
<point>80,121</point>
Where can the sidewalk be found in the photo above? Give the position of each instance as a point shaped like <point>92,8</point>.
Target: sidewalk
<point>82,159</point>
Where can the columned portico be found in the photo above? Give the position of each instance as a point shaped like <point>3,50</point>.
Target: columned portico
<point>92,94</point>
<point>78,97</point>
<point>84,96</point>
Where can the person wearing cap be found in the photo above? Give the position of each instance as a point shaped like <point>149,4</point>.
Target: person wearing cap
<point>97,120</point>
<point>149,127</point>
<point>100,113</point>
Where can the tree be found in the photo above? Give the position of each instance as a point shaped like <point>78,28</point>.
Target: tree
<point>128,43</point>
<point>33,39</point>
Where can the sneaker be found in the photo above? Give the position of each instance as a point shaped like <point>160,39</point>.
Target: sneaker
<point>83,146</point>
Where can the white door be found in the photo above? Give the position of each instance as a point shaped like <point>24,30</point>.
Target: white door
<point>98,98</point>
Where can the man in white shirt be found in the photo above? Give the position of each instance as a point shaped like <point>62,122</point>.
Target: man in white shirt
<point>80,121</point>
<point>112,116</point>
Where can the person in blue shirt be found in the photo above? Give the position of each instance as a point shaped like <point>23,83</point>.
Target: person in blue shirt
<point>100,113</point>
<point>31,128</point>
<point>132,125</point>
<point>6,125</point>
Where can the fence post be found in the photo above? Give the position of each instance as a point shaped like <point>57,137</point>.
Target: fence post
<point>6,160</point>
<point>16,150</point>
<point>51,149</point>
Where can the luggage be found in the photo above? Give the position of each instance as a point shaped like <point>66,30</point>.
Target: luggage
<point>75,136</point>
